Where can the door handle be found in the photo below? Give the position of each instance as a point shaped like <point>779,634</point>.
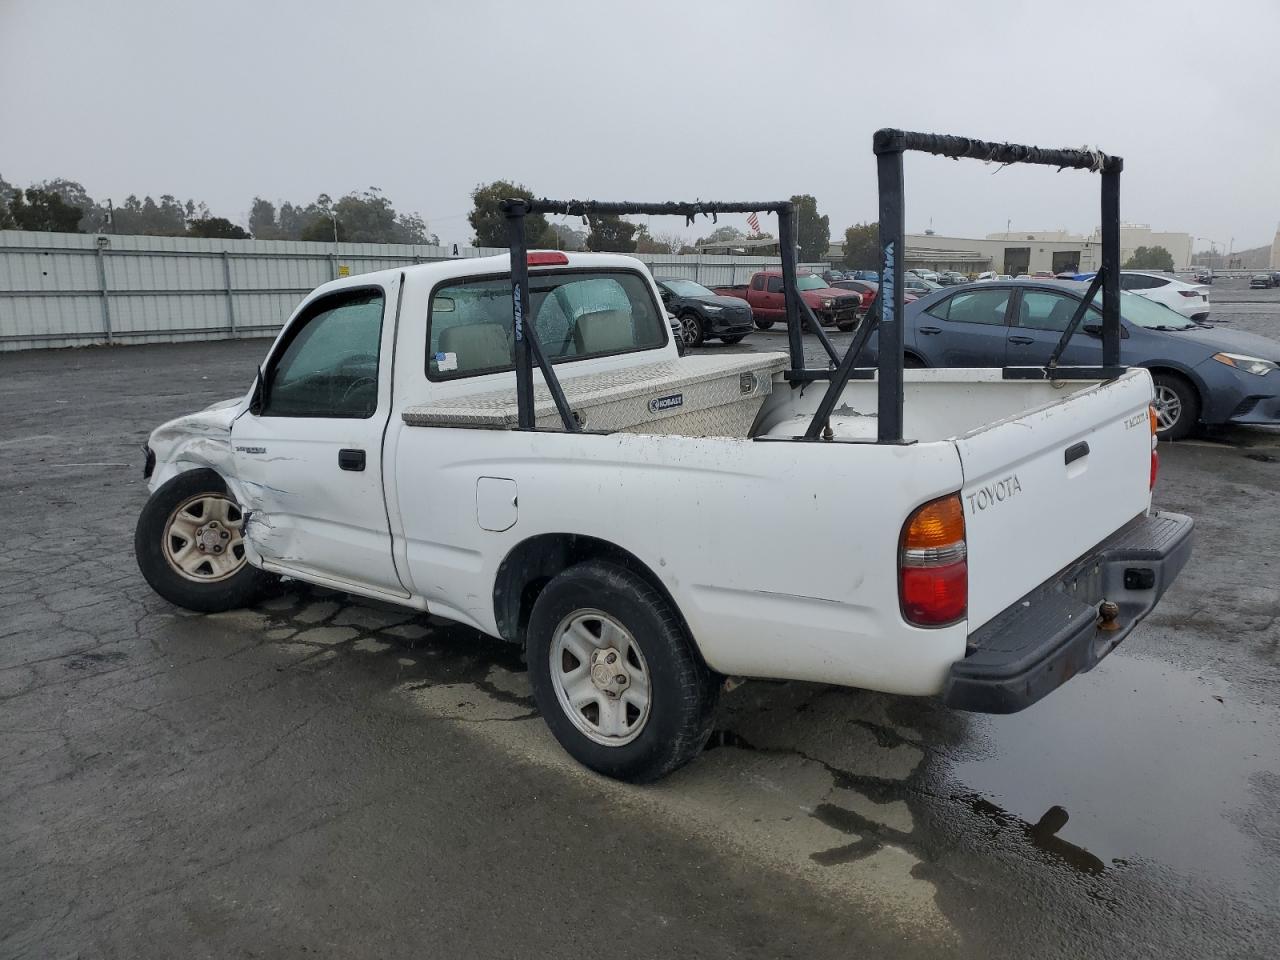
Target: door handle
<point>1021,341</point>
<point>930,330</point>
<point>351,459</point>
<point>1076,452</point>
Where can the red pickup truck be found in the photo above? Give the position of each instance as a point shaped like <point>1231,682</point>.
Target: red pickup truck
<point>764,294</point>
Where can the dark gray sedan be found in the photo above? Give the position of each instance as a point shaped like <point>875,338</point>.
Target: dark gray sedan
<point>1203,375</point>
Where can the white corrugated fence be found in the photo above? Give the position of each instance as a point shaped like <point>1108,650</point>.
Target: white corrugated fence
<point>72,289</point>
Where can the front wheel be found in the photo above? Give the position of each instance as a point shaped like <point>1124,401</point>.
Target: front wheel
<point>845,326</point>
<point>615,676</point>
<point>764,324</point>
<point>1177,406</point>
<point>189,543</point>
<point>691,330</point>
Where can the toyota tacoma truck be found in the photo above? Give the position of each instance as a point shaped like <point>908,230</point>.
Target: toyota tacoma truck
<point>765,296</point>
<point>635,555</point>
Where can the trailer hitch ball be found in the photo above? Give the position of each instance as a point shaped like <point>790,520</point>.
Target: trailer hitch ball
<point>1109,615</point>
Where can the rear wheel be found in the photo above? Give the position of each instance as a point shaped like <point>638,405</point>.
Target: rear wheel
<point>764,324</point>
<point>615,676</point>
<point>691,331</point>
<point>189,543</point>
<point>1177,406</point>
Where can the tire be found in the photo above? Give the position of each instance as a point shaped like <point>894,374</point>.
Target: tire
<point>691,330</point>
<point>601,610</point>
<point>190,511</point>
<point>912,363</point>
<point>1177,406</point>
<point>763,324</point>
<point>847,326</point>
<point>736,338</point>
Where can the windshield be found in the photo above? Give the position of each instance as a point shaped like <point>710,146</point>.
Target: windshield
<point>809,281</point>
<point>1147,313</point>
<point>687,288</point>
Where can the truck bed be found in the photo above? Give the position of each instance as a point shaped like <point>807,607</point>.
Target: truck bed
<point>706,395</point>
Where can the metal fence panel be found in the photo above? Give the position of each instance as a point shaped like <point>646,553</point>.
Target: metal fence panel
<point>70,289</point>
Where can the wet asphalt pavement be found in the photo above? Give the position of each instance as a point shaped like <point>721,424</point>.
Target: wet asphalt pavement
<point>324,777</point>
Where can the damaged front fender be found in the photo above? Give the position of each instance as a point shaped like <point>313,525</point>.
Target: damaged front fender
<point>197,441</point>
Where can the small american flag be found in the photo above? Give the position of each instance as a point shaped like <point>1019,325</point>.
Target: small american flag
<point>754,223</point>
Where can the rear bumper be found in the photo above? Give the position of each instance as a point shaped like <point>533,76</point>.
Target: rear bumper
<point>1040,642</point>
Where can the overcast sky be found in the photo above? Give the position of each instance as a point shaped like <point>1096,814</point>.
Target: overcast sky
<point>225,100</point>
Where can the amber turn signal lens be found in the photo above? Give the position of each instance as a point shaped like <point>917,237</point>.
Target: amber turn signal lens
<point>938,523</point>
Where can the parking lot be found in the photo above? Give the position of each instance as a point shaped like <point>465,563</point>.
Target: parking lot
<point>322,776</point>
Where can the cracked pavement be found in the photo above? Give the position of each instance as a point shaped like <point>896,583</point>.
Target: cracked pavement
<point>324,776</point>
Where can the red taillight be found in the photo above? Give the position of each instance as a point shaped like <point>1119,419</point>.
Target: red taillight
<point>1155,457</point>
<point>933,574</point>
<point>546,258</point>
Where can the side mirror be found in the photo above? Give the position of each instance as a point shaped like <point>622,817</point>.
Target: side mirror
<point>1093,328</point>
<point>256,398</point>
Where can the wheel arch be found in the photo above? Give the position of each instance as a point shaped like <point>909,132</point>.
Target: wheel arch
<point>529,566</point>
<point>1155,367</point>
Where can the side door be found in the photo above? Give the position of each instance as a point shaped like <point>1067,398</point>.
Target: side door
<point>773,300</point>
<point>966,329</point>
<point>1042,315</point>
<point>308,452</point>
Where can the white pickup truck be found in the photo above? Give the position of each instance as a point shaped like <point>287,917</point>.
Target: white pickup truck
<point>688,532</point>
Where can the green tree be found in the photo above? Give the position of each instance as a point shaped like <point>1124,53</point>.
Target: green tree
<point>610,233</point>
<point>490,225</point>
<point>564,237</point>
<point>725,234</point>
<point>862,247</point>
<point>145,217</point>
<point>1150,258</point>
<point>262,220</point>
<point>813,232</point>
<point>36,209</point>
<point>6,197</point>
<point>217,227</point>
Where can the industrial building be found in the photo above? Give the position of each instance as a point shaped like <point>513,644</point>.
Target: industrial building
<point>1028,251</point>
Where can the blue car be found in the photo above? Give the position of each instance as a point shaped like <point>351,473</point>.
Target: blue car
<point>1203,375</point>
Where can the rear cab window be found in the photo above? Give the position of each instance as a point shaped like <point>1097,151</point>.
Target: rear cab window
<point>576,314</point>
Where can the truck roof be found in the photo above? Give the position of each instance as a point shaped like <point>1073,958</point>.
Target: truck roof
<point>438,270</point>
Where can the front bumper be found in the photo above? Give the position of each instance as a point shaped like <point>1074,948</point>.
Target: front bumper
<point>1257,409</point>
<point>1040,642</point>
<point>719,325</point>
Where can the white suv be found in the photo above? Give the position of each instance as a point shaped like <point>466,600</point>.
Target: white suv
<point>1189,299</point>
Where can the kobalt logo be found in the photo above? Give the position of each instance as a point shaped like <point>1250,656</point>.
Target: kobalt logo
<point>666,403</point>
<point>997,492</point>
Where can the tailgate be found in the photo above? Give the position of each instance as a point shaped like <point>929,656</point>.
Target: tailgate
<point>1043,488</point>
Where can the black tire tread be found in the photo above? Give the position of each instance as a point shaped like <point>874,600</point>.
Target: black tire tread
<point>1190,417</point>
<point>239,591</point>
<point>697,685</point>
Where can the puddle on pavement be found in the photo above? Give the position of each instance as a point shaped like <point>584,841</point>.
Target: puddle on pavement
<point>1135,760</point>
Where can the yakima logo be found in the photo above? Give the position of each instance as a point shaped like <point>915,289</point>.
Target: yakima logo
<point>992,493</point>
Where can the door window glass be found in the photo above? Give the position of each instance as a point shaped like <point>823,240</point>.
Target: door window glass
<point>775,285</point>
<point>973,306</point>
<point>1046,310</point>
<point>329,367</point>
